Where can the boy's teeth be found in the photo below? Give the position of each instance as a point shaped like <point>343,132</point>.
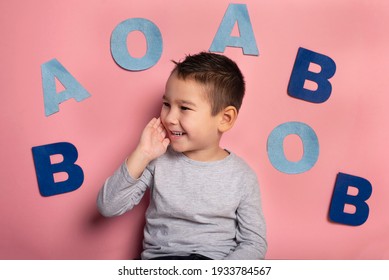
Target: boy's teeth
<point>177,133</point>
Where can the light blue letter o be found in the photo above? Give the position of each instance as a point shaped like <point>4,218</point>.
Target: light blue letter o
<point>275,147</point>
<point>119,49</point>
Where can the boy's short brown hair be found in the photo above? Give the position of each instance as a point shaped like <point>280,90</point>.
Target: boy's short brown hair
<point>221,76</point>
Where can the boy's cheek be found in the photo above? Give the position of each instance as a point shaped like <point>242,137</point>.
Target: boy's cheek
<point>163,121</point>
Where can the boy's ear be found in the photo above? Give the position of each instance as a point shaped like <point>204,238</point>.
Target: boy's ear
<point>227,118</point>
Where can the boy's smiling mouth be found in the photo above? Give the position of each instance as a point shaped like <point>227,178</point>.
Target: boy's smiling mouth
<point>177,133</point>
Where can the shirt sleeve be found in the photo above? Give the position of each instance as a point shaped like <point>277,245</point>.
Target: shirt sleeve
<point>251,226</point>
<point>120,192</point>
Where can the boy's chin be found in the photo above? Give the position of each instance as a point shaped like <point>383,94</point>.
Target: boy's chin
<point>177,148</point>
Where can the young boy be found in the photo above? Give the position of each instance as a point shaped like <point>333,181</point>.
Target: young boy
<point>205,200</point>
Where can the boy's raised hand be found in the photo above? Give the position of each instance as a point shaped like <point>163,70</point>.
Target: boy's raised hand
<point>153,142</point>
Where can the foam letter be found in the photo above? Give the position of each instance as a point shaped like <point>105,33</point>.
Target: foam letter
<point>235,13</point>
<point>275,147</point>
<point>45,169</point>
<point>119,44</point>
<point>73,89</point>
<point>341,198</point>
<point>301,73</point>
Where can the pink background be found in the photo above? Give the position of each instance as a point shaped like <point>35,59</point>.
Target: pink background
<point>351,125</point>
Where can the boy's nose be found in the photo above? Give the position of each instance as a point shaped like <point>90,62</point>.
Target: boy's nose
<point>171,117</point>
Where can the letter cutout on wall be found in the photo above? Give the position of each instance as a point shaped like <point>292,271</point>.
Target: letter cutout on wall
<point>341,198</point>
<point>119,48</point>
<point>45,169</point>
<point>235,13</point>
<point>301,73</point>
<point>275,147</point>
<point>73,89</point>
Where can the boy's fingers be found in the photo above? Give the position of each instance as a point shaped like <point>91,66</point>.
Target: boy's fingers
<point>166,142</point>
<point>163,133</point>
<point>152,122</point>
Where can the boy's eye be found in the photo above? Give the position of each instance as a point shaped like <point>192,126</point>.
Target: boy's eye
<point>183,108</point>
<point>166,104</point>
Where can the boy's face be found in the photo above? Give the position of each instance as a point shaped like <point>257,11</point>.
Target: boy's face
<point>186,116</point>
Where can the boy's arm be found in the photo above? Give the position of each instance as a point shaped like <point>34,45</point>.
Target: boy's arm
<point>251,229</point>
<point>124,189</point>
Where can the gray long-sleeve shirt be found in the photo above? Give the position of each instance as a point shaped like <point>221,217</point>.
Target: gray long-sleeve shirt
<point>208,208</point>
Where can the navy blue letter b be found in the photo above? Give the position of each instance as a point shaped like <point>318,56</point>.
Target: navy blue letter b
<point>301,73</point>
<point>45,169</point>
<point>341,198</point>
